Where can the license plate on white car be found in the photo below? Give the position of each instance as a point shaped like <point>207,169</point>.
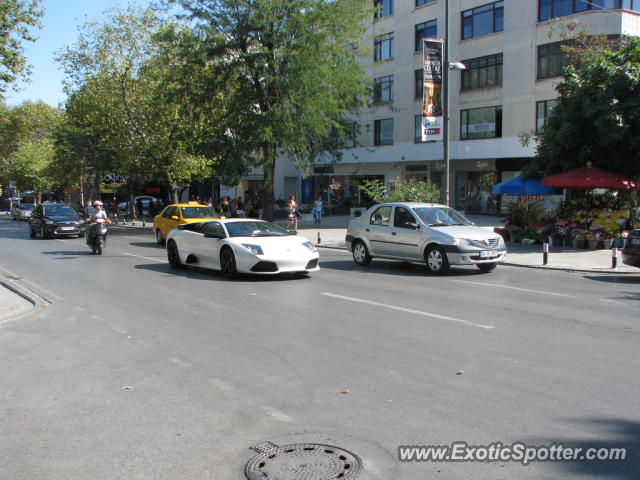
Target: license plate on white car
<point>488,254</point>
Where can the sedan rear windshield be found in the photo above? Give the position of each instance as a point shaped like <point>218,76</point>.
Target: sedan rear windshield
<point>58,210</point>
<point>255,229</point>
<point>197,212</point>
<point>441,216</point>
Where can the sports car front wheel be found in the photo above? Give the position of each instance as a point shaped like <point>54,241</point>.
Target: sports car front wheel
<point>228,263</point>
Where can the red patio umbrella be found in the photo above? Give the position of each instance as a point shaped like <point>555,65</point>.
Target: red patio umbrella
<point>589,177</point>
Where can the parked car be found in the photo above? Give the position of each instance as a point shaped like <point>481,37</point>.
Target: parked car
<point>434,234</point>
<point>241,245</point>
<point>22,211</point>
<point>148,204</point>
<point>177,213</point>
<point>631,251</point>
<point>54,220</point>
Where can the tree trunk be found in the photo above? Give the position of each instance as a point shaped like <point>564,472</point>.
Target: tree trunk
<point>269,167</point>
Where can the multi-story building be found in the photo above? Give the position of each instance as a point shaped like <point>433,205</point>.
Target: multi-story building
<point>511,50</point>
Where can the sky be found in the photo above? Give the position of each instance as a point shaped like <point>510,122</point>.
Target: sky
<point>59,29</point>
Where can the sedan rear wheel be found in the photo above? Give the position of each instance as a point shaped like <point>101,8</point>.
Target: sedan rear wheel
<point>228,263</point>
<point>360,253</point>
<point>436,260</point>
<point>173,255</point>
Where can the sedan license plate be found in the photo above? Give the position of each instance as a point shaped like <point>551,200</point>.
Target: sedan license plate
<point>488,254</point>
<point>635,241</point>
<point>66,229</point>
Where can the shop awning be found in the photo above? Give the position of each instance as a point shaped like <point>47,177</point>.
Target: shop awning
<point>589,177</point>
<point>521,186</point>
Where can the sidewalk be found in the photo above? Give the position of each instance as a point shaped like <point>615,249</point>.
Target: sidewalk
<point>333,231</point>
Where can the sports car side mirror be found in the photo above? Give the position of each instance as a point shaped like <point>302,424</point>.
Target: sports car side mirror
<point>214,235</point>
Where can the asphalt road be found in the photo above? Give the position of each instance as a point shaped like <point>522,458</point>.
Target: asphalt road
<point>365,359</point>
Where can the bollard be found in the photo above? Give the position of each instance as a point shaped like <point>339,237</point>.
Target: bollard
<point>318,238</point>
<point>614,257</point>
<point>545,253</point>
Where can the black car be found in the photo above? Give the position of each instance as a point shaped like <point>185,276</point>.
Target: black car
<point>55,220</point>
<point>631,252</point>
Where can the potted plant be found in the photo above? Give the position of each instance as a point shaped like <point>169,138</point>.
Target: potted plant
<point>578,239</point>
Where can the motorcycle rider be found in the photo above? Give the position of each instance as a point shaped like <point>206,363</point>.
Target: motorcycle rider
<point>97,216</point>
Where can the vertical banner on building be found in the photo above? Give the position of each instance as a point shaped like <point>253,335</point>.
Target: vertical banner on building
<point>432,120</point>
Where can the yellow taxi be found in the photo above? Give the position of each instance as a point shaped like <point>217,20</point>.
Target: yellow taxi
<point>177,213</point>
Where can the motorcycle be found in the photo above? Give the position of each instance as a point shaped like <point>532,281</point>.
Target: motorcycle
<point>97,236</point>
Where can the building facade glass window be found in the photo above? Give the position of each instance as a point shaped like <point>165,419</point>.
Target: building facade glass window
<point>384,8</point>
<point>481,123</point>
<point>383,89</point>
<point>420,3</point>
<point>543,110</point>
<point>551,60</point>
<point>383,47</point>
<point>383,132</point>
<point>483,20</point>
<point>425,30</point>
<point>482,72</point>
<point>548,9</point>
<point>417,136</point>
<point>418,89</point>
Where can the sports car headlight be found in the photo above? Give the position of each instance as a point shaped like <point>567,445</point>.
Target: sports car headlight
<point>310,246</point>
<point>255,249</point>
<point>49,222</point>
<point>460,242</point>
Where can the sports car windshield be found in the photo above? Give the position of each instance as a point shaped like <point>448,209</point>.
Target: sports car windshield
<point>197,212</point>
<point>255,229</point>
<point>440,216</point>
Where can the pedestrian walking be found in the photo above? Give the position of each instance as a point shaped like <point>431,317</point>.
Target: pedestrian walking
<point>317,211</point>
<point>293,213</point>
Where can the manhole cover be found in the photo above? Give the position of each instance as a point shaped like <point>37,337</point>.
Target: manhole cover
<point>302,461</point>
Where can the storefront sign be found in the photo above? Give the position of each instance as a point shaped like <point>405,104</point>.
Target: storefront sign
<point>432,98</point>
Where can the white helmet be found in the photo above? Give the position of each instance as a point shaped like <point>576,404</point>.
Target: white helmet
<point>97,202</point>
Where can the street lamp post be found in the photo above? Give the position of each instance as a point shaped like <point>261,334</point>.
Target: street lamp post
<point>445,103</point>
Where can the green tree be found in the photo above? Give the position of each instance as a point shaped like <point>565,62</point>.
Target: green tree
<point>288,74</point>
<point>597,118</point>
<point>30,166</point>
<point>131,104</point>
<point>15,19</point>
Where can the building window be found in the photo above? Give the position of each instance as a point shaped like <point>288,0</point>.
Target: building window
<point>418,130</point>
<point>384,8</point>
<point>420,3</point>
<point>551,60</point>
<point>383,89</point>
<point>481,123</point>
<point>548,9</point>
<point>425,30</point>
<point>419,83</point>
<point>383,47</point>
<point>483,20</point>
<point>543,110</point>
<point>482,72</point>
<point>383,132</point>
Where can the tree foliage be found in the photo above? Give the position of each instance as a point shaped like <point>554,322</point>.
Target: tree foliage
<point>16,16</point>
<point>287,74</point>
<point>597,118</point>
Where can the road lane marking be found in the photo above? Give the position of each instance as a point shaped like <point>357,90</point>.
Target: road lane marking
<point>542,292</point>
<point>409,310</point>
<point>144,258</point>
<point>180,363</point>
<point>118,330</point>
<point>224,386</point>
<point>277,414</point>
<point>97,318</point>
<point>605,300</point>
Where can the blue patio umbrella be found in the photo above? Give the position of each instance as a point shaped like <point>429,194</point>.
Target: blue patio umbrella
<point>521,186</point>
